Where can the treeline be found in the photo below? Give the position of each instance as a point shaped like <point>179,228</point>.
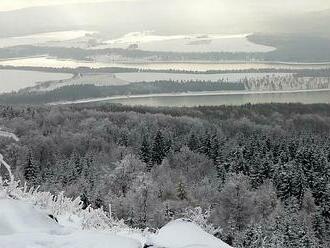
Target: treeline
<point>78,70</point>
<point>86,70</point>
<point>287,82</point>
<point>314,73</point>
<point>88,54</point>
<point>262,170</point>
<point>76,92</point>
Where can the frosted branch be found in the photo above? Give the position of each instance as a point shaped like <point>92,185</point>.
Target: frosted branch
<point>2,162</point>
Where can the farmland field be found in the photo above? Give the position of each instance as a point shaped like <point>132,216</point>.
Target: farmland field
<point>13,80</point>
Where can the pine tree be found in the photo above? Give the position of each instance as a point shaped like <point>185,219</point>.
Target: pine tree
<point>32,170</point>
<point>73,168</point>
<point>289,181</point>
<point>207,145</point>
<point>181,191</point>
<point>168,212</point>
<point>193,143</point>
<point>291,229</point>
<point>158,148</point>
<point>221,171</point>
<point>252,237</point>
<point>320,227</point>
<point>145,150</point>
<point>215,149</point>
<point>76,162</point>
<point>238,164</point>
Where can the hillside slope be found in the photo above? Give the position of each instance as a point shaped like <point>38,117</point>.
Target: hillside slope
<point>24,225</point>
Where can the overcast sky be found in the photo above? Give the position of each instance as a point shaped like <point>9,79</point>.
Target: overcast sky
<point>246,5</point>
<point>6,5</point>
<point>164,16</point>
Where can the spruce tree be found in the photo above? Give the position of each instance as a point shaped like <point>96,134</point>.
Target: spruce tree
<point>145,150</point>
<point>193,143</point>
<point>158,148</point>
<point>221,171</point>
<point>181,191</point>
<point>32,170</point>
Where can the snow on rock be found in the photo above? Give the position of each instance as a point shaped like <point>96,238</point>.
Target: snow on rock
<point>185,234</point>
<point>23,225</point>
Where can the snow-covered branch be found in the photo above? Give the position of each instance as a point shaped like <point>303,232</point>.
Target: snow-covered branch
<point>2,162</point>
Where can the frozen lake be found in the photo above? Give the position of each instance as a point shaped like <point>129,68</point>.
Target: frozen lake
<point>13,80</point>
<point>228,99</point>
<point>57,63</point>
<point>149,41</point>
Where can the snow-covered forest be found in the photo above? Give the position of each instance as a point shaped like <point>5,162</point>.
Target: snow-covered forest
<point>253,176</point>
<point>292,82</point>
<point>30,218</point>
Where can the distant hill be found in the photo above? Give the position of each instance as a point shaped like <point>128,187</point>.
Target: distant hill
<point>294,47</point>
<point>118,18</point>
<point>311,23</point>
<point>301,38</point>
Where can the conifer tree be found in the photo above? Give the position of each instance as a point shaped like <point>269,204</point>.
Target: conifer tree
<point>193,143</point>
<point>181,191</point>
<point>158,148</point>
<point>31,172</point>
<point>145,150</point>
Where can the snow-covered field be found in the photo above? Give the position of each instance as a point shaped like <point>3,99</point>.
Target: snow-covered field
<point>143,40</point>
<point>43,38</point>
<point>49,62</point>
<point>105,79</point>
<point>13,80</point>
<point>149,41</point>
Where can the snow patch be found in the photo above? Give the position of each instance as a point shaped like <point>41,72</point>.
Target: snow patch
<point>23,225</point>
<point>8,135</point>
<point>185,234</point>
<point>20,217</point>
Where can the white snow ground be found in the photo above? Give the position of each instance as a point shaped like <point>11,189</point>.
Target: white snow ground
<point>23,225</point>
<point>184,234</point>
